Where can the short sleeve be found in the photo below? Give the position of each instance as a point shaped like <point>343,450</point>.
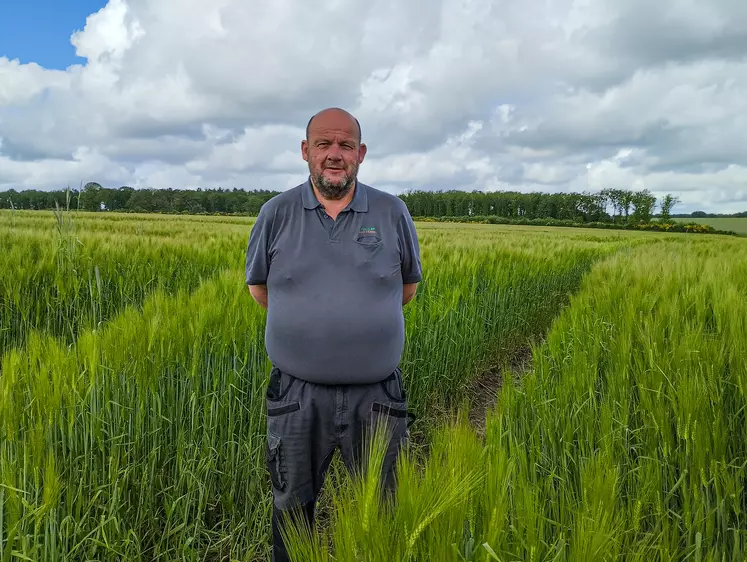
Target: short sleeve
<point>409,250</point>
<point>258,249</point>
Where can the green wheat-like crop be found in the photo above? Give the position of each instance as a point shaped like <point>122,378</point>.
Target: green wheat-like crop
<point>132,397</point>
<point>626,441</point>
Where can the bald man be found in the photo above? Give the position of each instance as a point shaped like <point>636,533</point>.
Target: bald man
<point>333,261</point>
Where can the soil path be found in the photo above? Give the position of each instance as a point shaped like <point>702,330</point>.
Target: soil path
<point>484,389</point>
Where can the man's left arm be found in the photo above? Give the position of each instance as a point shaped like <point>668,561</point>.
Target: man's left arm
<point>412,272</point>
<point>408,292</point>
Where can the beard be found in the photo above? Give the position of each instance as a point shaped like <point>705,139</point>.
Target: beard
<point>331,189</point>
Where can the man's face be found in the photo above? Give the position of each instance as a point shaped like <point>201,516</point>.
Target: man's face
<point>334,153</point>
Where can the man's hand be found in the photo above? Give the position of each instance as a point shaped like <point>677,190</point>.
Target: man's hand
<point>408,292</point>
<point>259,294</point>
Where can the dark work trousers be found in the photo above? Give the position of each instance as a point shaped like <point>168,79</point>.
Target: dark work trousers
<point>307,422</point>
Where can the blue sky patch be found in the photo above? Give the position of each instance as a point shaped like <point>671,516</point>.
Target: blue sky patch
<point>39,30</point>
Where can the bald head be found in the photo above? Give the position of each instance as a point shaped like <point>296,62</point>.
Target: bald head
<point>334,150</point>
<point>334,113</point>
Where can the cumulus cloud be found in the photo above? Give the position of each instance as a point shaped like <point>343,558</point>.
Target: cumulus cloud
<point>544,95</point>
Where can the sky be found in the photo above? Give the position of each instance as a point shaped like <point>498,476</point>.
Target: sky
<point>538,95</point>
<point>39,31</point>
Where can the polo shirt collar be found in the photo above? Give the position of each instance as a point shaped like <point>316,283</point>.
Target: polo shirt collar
<point>359,203</point>
<point>307,194</point>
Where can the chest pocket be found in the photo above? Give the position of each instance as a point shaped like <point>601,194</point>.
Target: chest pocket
<point>369,251</point>
<point>368,240</point>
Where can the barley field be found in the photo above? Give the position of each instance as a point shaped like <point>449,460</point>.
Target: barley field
<point>132,398</point>
<point>626,441</point>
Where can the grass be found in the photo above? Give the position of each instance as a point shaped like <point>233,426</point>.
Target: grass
<point>133,374</point>
<point>152,426</point>
<point>735,224</point>
<point>627,440</point>
<point>64,277</point>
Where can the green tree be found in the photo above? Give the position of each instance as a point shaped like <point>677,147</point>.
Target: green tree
<point>643,203</point>
<point>667,203</point>
<point>91,198</point>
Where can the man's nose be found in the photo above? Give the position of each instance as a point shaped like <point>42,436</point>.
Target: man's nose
<point>334,152</point>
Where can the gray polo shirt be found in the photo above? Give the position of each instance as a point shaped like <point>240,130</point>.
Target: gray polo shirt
<point>334,313</point>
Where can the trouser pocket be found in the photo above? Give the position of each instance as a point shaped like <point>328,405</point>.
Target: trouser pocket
<point>396,411</point>
<point>391,410</point>
<point>278,386</point>
<point>273,411</point>
<point>394,387</point>
<point>276,462</point>
<point>281,424</point>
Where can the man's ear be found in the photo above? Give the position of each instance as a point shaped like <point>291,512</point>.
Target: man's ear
<point>305,150</point>
<point>362,153</point>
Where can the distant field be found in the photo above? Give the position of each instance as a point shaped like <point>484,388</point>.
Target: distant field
<point>736,224</point>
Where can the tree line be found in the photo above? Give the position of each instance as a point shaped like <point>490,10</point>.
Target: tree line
<point>609,205</point>
<point>94,197</point>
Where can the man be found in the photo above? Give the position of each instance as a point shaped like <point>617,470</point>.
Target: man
<point>333,261</point>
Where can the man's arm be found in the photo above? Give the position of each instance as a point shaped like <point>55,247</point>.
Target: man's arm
<point>408,292</point>
<point>259,294</point>
<point>412,272</point>
<point>258,258</point>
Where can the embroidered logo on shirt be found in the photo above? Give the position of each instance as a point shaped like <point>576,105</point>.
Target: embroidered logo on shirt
<point>368,231</point>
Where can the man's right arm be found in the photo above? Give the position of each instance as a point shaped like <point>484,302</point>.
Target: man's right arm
<point>258,259</point>
<point>259,294</point>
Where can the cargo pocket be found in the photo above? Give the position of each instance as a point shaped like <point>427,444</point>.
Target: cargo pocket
<point>396,411</point>
<point>275,464</point>
<point>280,410</point>
<point>393,411</point>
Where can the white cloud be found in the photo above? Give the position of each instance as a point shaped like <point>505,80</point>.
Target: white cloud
<point>20,83</point>
<point>550,95</point>
<point>58,173</point>
<point>109,33</point>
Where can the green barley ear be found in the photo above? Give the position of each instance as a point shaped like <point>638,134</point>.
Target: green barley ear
<point>368,488</point>
<point>358,496</point>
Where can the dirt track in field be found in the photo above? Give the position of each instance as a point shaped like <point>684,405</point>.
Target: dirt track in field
<point>484,389</point>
